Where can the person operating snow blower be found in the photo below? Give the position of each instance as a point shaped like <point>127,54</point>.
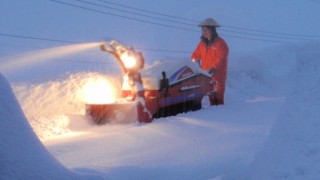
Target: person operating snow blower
<point>212,54</point>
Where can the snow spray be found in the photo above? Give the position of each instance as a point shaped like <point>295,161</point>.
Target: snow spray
<point>34,57</point>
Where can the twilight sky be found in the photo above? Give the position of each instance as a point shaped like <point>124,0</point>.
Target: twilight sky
<point>154,26</point>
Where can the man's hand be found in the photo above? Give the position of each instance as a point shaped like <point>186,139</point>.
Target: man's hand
<point>212,71</point>
<point>195,60</point>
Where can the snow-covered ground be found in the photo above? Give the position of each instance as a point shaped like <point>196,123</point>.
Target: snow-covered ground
<point>268,129</point>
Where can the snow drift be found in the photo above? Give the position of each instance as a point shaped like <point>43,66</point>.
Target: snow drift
<point>22,155</point>
<point>292,150</point>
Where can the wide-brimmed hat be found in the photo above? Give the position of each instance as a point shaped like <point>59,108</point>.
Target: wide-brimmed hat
<point>209,22</point>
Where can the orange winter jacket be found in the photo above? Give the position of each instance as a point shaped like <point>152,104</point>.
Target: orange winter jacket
<point>213,55</point>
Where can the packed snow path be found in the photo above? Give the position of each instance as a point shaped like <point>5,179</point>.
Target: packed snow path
<point>220,139</point>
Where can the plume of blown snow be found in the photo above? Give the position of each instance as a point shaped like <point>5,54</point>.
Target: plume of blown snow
<point>52,107</point>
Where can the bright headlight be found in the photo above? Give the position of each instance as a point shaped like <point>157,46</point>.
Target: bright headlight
<point>128,60</point>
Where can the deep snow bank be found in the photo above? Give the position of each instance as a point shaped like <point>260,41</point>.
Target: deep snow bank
<point>292,150</point>
<point>22,155</point>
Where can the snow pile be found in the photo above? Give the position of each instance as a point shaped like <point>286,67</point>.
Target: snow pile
<point>22,155</point>
<point>293,150</point>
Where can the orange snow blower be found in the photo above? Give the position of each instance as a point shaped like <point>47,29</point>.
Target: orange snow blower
<point>145,98</point>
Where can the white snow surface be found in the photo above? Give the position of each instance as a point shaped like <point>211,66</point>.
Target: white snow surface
<point>269,127</point>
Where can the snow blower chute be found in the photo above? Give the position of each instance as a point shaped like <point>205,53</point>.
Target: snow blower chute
<point>146,98</point>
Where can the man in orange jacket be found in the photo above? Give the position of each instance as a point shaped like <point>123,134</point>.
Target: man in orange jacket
<point>212,53</point>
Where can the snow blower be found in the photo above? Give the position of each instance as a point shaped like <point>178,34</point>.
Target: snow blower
<point>146,98</point>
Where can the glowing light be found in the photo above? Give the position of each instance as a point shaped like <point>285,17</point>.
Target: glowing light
<point>128,61</point>
<point>126,83</point>
<point>99,91</point>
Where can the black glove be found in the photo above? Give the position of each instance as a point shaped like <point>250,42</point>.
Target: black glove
<point>211,71</point>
